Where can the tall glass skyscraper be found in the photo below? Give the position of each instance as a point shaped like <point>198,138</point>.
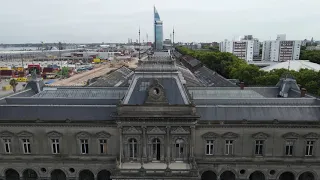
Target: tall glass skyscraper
<point>158,31</point>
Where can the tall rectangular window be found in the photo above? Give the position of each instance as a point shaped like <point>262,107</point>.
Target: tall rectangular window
<point>259,147</point>
<point>309,148</point>
<point>7,145</point>
<point>289,148</point>
<point>55,146</point>
<point>103,146</point>
<point>84,146</point>
<point>26,146</point>
<point>229,147</point>
<point>209,147</point>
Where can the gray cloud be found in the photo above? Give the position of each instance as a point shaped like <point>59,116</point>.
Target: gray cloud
<point>115,21</point>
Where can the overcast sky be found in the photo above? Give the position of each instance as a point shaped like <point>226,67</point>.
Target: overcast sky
<point>80,21</point>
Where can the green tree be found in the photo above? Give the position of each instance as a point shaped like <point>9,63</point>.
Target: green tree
<point>230,66</point>
<point>13,83</point>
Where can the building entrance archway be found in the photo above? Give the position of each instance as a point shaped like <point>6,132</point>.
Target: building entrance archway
<point>104,175</point>
<point>86,175</point>
<point>257,175</point>
<point>58,174</point>
<point>29,174</point>
<point>12,174</point>
<point>227,175</point>
<point>287,176</point>
<point>208,175</point>
<point>306,176</point>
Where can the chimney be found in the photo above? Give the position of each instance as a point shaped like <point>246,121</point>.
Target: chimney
<point>303,92</point>
<point>242,85</point>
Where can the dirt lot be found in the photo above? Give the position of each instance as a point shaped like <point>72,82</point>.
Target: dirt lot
<point>81,78</point>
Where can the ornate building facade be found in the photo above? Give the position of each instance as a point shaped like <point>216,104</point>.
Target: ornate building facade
<point>164,122</point>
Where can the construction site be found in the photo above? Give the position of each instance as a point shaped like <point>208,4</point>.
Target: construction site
<point>71,68</point>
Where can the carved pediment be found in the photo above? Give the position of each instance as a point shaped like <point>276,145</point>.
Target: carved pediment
<point>83,134</point>
<point>6,134</point>
<point>290,135</point>
<point>260,135</point>
<point>156,94</point>
<point>180,130</point>
<point>54,134</point>
<point>132,130</point>
<point>210,135</point>
<point>103,134</point>
<point>311,135</point>
<point>156,130</point>
<point>25,134</point>
<point>230,135</point>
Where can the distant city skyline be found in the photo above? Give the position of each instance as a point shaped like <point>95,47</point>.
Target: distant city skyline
<point>81,21</point>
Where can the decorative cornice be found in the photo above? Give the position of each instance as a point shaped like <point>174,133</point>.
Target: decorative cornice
<point>230,135</point>
<point>132,130</point>
<point>83,134</point>
<point>156,130</point>
<point>103,134</point>
<point>180,130</point>
<point>25,134</point>
<point>291,135</point>
<point>54,134</point>
<point>260,135</point>
<point>311,135</point>
<point>209,135</point>
<point>6,134</point>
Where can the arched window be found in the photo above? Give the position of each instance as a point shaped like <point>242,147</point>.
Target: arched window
<point>156,145</point>
<point>179,149</point>
<point>133,148</point>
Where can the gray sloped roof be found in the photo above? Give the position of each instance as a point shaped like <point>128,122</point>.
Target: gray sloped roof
<point>115,78</point>
<point>212,78</point>
<point>57,112</point>
<point>189,76</point>
<point>82,92</point>
<point>224,93</point>
<point>170,86</point>
<point>259,113</point>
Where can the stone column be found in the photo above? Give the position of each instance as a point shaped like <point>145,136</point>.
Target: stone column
<point>193,141</point>
<point>121,146</point>
<point>144,156</point>
<point>168,144</point>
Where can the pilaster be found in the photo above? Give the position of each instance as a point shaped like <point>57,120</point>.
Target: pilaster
<point>168,144</point>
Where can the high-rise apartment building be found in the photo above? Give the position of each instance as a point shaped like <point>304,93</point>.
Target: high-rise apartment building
<point>243,49</point>
<point>281,49</point>
<point>158,31</point>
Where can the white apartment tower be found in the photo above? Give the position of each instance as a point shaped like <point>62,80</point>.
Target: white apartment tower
<point>243,49</point>
<point>281,49</point>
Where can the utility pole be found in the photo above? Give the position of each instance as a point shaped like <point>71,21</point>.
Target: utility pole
<point>139,44</point>
<point>173,37</point>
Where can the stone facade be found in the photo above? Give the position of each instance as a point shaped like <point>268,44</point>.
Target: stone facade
<point>176,143</point>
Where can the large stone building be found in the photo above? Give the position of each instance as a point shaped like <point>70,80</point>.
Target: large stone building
<point>161,121</point>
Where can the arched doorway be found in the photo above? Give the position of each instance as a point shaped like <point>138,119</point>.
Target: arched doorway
<point>287,176</point>
<point>156,149</point>
<point>257,175</point>
<point>179,149</point>
<point>227,175</point>
<point>133,148</point>
<point>29,174</point>
<point>306,176</point>
<point>58,174</point>
<point>86,175</point>
<point>208,175</point>
<point>12,174</point>
<point>104,175</point>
